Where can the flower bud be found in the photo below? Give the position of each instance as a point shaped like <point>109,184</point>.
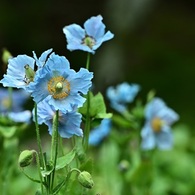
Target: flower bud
<point>6,56</point>
<point>25,158</point>
<point>124,165</point>
<point>85,179</point>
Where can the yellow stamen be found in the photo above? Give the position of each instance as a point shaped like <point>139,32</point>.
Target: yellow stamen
<point>89,41</point>
<point>156,124</point>
<point>58,87</point>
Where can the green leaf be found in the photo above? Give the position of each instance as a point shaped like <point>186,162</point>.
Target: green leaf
<point>65,160</point>
<point>97,107</point>
<point>58,187</point>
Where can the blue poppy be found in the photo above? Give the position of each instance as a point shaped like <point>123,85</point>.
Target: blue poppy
<point>21,70</point>
<point>13,103</point>
<point>88,39</point>
<point>62,86</point>
<point>123,94</point>
<point>157,128</point>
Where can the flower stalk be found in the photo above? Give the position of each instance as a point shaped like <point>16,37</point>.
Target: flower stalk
<point>54,146</point>
<point>88,120</point>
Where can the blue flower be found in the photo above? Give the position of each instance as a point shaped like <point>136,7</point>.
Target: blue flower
<point>157,128</point>
<point>20,72</point>
<point>16,72</point>
<point>122,95</point>
<point>69,123</point>
<point>13,103</point>
<point>100,132</point>
<point>88,39</point>
<point>62,86</point>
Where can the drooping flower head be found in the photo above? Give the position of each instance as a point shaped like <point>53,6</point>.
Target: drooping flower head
<point>100,132</point>
<point>123,94</point>
<point>157,128</point>
<point>61,85</point>
<point>21,71</point>
<point>88,39</point>
<point>69,123</point>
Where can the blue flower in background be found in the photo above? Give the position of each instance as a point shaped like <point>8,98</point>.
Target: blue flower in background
<point>123,94</point>
<point>61,85</point>
<point>69,123</point>
<point>88,39</point>
<point>20,117</point>
<point>157,128</point>
<point>99,133</point>
<point>13,103</point>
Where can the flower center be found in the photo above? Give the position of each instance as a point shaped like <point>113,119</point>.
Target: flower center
<point>6,103</point>
<point>156,124</point>
<point>29,74</point>
<point>58,87</point>
<point>89,41</point>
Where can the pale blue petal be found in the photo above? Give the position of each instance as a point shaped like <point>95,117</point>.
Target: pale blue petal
<point>44,112</point>
<point>94,27</point>
<point>69,125</point>
<point>99,133</point>
<point>69,122</point>
<point>153,107</point>
<point>164,139</point>
<point>56,62</point>
<point>43,58</point>
<point>74,33</point>
<point>99,41</point>
<point>39,89</point>
<point>20,117</point>
<point>148,138</point>
<point>74,46</point>
<point>168,115</point>
<point>80,81</point>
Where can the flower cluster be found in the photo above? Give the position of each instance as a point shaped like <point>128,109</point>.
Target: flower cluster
<point>53,83</point>
<point>158,117</point>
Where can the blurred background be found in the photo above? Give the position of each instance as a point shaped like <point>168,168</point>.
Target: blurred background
<point>153,46</point>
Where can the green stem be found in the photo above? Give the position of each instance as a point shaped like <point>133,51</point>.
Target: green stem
<point>88,61</point>
<point>88,120</point>
<point>10,92</point>
<point>54,146</point>
<point>42,164</point>
<point>39,168</point>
